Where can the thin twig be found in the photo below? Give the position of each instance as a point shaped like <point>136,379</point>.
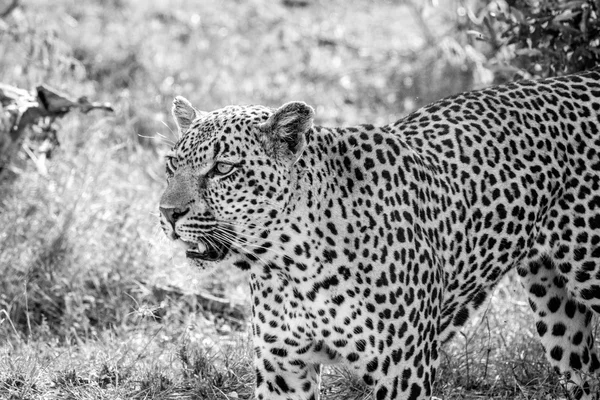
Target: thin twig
<point>3,311</point>
<point>27,309</point>
<point>468,385</point>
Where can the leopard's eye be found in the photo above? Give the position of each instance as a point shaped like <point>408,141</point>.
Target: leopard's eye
<point>223,168</point>
<point>172,163</point>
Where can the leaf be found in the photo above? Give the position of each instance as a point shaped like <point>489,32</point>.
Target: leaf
<point>565,29</point>
<point>567,15</point>
<point>529,52</point>
<point>571,4</point>
<point>517,15</point>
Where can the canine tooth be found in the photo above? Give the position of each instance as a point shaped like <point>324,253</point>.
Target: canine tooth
<point>182,245</point>
<point>201,248</point>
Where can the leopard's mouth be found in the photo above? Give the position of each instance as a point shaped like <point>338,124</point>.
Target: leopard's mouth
<point>207,250</point>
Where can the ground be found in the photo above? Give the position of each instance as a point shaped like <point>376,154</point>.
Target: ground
<point>93,302</point>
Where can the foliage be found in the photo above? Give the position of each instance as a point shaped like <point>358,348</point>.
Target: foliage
<point>537,38</point>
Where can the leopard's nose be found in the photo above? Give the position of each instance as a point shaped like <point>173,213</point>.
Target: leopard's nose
<point>172,214</point>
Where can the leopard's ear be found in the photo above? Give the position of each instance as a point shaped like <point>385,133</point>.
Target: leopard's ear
<point>288,128</point>
<point>183,113</point>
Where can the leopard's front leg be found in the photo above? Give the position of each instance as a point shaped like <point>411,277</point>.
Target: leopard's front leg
<point>281,375</point>
<point>283,362</point>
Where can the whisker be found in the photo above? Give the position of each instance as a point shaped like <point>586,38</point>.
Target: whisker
<point>227,236</point>
<point>243,227</point>
<point>238,223</point>
<point>210,240</point>
<point>257,221</point>
<point>232,240</point>
<point>225,229</point>
<point>162,139</point>
<point>243,230</point>
<point>249,254</point>
<point>163,136</point>
<point>170,130</point>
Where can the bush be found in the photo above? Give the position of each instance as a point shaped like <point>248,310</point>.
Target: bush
<point>537,38</point>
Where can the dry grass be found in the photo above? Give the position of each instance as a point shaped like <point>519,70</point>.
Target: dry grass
<point>85,309</point>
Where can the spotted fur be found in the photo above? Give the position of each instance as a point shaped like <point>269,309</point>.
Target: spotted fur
<point>371,246</point>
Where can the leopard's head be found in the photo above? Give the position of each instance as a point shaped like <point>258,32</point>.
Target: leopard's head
<point>230,177</point>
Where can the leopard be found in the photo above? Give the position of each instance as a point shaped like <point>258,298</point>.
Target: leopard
<point>369,247</point>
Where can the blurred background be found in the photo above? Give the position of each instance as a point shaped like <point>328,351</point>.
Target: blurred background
<point>94,303</point>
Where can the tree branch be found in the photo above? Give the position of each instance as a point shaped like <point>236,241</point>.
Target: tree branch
<point>20,109</point>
